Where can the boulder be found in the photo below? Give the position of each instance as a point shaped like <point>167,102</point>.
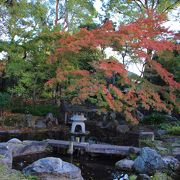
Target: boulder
<point>176,152</point>
<point>125,164</point>
<point>19,148</point>
<point>14,140</point>
<point>5,155</point>
<point>143,177</point>
<point>149,161</point>
<point>29,120</point>
<point>172,164</point>
<point>140,115</point>
<point>53,168</point>
<point>50,120</point>
<point>161,132</point>
<point>171,118</point>
<point>122,128</point>
<point>31,148</point>
<point>40,124</point>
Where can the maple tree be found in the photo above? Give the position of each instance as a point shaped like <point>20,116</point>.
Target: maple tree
<point>83,75</point>
<point>107,83</point>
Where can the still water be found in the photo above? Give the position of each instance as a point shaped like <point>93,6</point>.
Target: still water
<point>92,168</point>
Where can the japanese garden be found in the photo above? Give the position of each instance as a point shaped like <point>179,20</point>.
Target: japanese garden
<point>89,90</point>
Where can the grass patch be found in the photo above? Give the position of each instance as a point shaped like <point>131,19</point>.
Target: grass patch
<point>37,110</point>
<point>174,130</point>
<point>161,176</point>
<point>154,119</point>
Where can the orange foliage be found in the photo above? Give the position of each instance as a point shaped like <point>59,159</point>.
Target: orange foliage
<point>165,75</point>
<point>144,36</point>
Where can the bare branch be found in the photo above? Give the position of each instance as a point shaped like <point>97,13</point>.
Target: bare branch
<point>140,3</point>
<point>171,6</point>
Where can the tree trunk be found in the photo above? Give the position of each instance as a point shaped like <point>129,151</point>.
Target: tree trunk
<point>57,13</point>
<point>147,69</point>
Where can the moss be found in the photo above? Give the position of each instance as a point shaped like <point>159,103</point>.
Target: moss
<point>1,156</point>
<point>161,176</point>
<point>154,118</point>
<point>146,143</point>
<point>174,130</point>
<point>49,148</point>
<point>37,110</point>
<point>6,174</point>
<point>132,156</point>
<point>162,149</point>
<point>132,177</point>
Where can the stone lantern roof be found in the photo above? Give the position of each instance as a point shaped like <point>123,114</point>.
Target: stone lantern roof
<point>77,117</point>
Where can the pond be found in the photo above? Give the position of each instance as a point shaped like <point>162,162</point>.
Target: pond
<point>92,168</point>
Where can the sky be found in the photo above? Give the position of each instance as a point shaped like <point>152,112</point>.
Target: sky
<point>172,24</point>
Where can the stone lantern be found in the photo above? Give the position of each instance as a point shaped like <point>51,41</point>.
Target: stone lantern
<point>78,120</point>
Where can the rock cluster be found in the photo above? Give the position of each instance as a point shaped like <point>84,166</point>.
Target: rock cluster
<point>46,169</point>
<point>148,163</point>
<point>15,147</point>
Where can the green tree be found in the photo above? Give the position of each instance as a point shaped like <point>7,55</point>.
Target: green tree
<point>129,10</point>
<point>70,14</point>
<point>27,44</point>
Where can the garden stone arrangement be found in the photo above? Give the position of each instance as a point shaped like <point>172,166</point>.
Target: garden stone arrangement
<point>46,169</point>
<point>148,163</point>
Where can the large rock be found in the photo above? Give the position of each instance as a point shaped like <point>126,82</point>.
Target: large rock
<point>149,161</point>
<point>171,118</point>
<point>30,121</point>
<point>176,152</point>
<point>50,120</point>
<point>172,164</point>
<point>19,148</point>
<point>14,140</point>
<point>125,164</point>
<point>53,168</point>
<point>122,128</point>
<point>161,132</point>
<point>5,155</point>
<point>32,148</point>
<point>40,124</point>
<point>143,177</point>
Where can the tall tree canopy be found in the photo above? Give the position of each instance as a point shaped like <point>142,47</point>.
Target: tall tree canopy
<point>129,9</point>
<point>48,55</point>
<point>108,84</point>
